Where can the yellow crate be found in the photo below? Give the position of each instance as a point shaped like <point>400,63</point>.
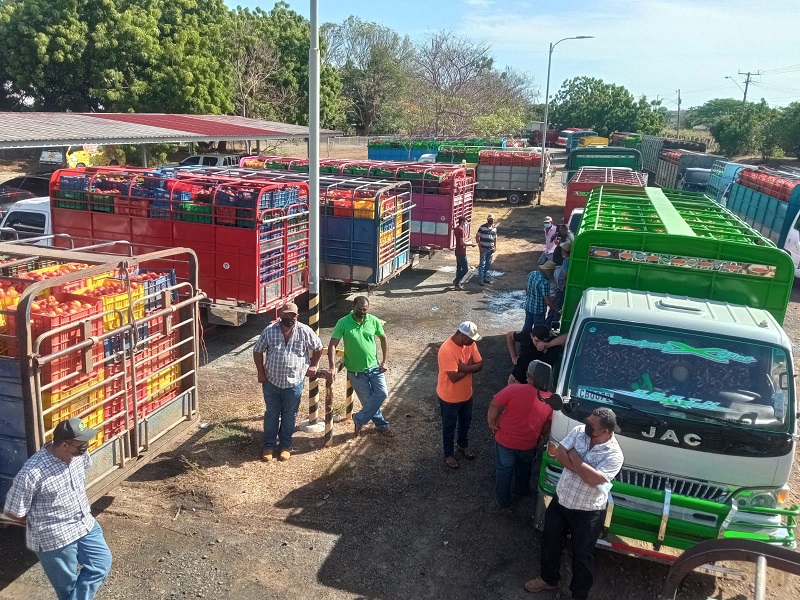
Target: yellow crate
<point>387,237</point>
<point>81,400</point>
<point>363,209</point>
<point>95,282</point>
<point>163,380</point>
<point>119,302</point>
<point>93,419</point>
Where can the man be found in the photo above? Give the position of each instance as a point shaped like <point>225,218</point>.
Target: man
<point>525,419</point>
<point>48,496</point>
<point>564,235</point>
<point>560,282</point>
<point>286,345</point>
<point>529,351</point>
<point>550,236</point>
<point>487,244</point>
<point>591,458</point>
<point>358,331</point>
<point>458,360</point>
<point>537,299</point>
<point>462,267</point>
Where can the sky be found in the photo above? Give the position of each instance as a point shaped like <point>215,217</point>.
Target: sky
<point>652,47</point>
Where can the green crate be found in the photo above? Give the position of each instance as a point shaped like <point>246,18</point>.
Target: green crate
<point>298,168</point>
<point>195,213</point>
<point>102,203</point>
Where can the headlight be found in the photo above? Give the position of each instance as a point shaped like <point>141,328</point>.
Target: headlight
<point>761,497</point>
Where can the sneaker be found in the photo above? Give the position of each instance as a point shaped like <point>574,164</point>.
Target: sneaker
<point>284,455</point>
<point>267,455</point>
<point>534,586</point>
<point>459,287</point>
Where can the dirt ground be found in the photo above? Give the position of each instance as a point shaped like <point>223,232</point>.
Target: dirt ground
<point>375,518</point>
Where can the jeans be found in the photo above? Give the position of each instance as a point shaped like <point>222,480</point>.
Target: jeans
<point>585,527</point>
<point>543,258</point>
<point>370,387</point>
<point>280,415</point>
<point>61,566</point>
<point>462,268</point>
<point>455,413</point>
<point>512,465</point>
<point>485,264</point>
<point>532,319</point>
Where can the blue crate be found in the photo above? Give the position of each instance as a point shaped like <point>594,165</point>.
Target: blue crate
<point>141,192</point>
<point>78,183</point>
<point>153,286</point>
<point>159,209</point>
<point>117,342</point>
<point>162,194</point>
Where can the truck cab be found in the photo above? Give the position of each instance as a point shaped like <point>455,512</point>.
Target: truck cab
<point>694,180</point>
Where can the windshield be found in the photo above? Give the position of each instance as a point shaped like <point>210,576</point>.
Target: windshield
<point>681,375</point>
<point>698,177</point>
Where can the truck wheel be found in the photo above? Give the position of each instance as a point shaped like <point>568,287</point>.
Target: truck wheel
<point>514,198</point>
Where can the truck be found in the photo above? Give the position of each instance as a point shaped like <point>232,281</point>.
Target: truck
<point>628,158</point>
<point>769,201</point>
<point>573,138</point>
<point>651,146</point>
<point>441,193</point>
<point>88,155</point>
<point>513,174</point>
<point>672,313</point>
<point>364,236</point>
<point>673,164</point>
<point>563,136</point>
<point>624,139</point>
<point>722,176</point>
<point>593,140</point>
<point>102,331</point>
<point>588,178</point>
<point>251,237</point>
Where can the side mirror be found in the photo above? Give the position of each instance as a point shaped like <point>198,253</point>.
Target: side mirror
<point>554,401</point>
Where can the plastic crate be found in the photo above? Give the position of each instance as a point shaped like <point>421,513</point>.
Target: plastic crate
<point>160,209</point>
<point>159,354</point>
<point>102,202</point>
<point>116,343</point>
<point>121,302</point>
<point>14,270</point>
<point>152,287</point>
<point>78,400</point>
<point>164,381</point>
<point>195,213</point>
<point>121,387</point>
<point>68,287</point>
<point>133,208</point>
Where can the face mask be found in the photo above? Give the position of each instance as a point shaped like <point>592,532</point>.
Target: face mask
<point>80,450</point>
<point>589,429</point>
<point>288,321</point>
<point>548,225</point>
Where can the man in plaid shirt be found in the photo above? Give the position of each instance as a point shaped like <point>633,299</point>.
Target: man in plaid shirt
<point>286,345</point>
<point>591,458</point>
<point>48,496</point>
<point>537,299</point>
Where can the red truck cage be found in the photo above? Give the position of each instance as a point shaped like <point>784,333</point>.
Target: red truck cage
<point>588,178</point>
<point>441,193</point>
<point>250,237</point>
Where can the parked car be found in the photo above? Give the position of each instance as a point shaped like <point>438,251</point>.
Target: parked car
<point>88,155</point>
<point>23,188</point>
<point>427,158</point>
<point>29,218</point>
<point>210,160</point>
<point>694,180</point>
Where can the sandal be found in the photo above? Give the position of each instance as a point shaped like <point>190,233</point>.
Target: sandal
<point>451,461</point>
<point>387,431</point>
<point>467,453</point>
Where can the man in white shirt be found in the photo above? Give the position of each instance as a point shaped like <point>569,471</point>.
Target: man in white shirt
<point>591,458</point>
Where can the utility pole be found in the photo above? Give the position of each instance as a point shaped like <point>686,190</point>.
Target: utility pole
<point>678,131</point>
<point>747,83</point>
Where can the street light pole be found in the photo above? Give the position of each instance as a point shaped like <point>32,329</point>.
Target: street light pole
<point>546,106</point>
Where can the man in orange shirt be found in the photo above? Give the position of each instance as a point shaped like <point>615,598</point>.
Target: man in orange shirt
<point>458,360</point>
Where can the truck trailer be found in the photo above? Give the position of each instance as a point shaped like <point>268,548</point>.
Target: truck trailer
<point>673,164</point>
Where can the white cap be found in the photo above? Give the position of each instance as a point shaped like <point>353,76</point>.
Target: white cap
<point>469,329</point>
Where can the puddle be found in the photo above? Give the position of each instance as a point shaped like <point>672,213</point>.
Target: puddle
<point>447,269</point>
<point>507,307</point>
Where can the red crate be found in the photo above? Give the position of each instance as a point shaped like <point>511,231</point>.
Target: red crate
<point>132,207</point>
<point>116,425</point>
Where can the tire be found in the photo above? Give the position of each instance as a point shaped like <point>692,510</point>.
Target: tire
<point>514,198</point>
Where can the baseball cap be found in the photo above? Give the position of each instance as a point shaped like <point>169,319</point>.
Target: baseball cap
<point>548,219</point>
<point>290,307</point>
<point>73,429</point>
<point>490,216</point>
<point>469,329</point>
<point>567,245</point>
<point>548,266</point>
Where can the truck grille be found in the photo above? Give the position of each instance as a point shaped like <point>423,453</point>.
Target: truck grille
<point>680,486</point>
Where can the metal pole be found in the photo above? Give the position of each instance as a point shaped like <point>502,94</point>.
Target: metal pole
<point>313,203</point>
<point>544,133</point>
<point>678,132</point>
<point>761,578</point>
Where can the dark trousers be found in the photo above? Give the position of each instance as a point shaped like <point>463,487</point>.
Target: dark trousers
<point>462,268</point>
<point>512,466</point>
<point>585,527</point>
<point>453,414</point>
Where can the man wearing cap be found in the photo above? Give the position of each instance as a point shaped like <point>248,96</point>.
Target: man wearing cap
<point>537,299</point>
<point>550,236</point>
<point>487,244</point>
<point>559,284</point>
<point>564,236</point>
<point>458,360</point>
<point>48,496</point>
<point>282,361</point>
<point>358,331</point>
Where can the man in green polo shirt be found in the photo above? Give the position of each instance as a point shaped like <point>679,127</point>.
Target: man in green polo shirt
<point>358,331</point>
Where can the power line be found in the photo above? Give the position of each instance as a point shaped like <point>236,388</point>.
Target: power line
<point>789,69</point>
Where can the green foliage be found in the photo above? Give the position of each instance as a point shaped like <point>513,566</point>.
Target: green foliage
<point>604,107</point>
<point>747,129</point>
<point>710,112</point>
<point>787,129</point>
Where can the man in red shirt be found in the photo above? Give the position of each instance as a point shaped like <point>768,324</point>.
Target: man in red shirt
<point>524,420</point>
<point>462,241</point>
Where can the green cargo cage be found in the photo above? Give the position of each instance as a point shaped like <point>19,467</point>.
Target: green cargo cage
<point>678,243</point>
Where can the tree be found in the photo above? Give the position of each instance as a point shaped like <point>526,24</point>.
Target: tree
<point>749,128</point>
<point>787,126</point>
<point>710,112</point>
<point>374,66</point>
<point>605,107</point>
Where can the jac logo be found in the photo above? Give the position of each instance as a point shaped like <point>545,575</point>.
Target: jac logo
<point>690,439</point>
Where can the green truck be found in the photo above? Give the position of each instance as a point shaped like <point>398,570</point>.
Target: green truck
<point>611,156</point>
<point>674,309</point>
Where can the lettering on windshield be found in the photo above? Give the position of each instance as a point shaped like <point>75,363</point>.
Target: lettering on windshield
<point>672,400</point>
<point>717,355</point>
